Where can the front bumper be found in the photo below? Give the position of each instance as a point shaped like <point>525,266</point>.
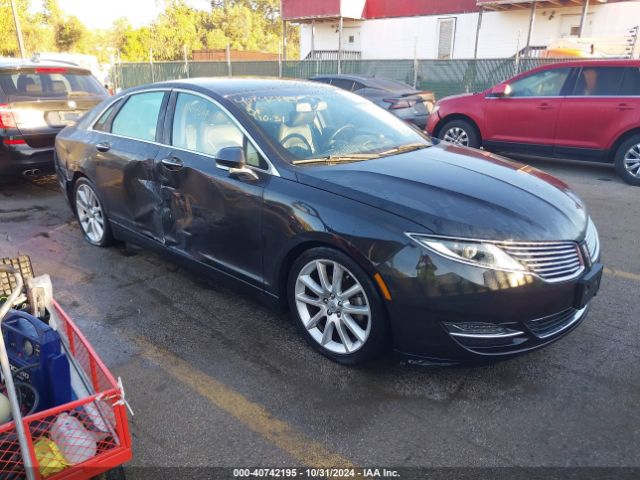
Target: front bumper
<point>432,123</point>
<point>446,312</point>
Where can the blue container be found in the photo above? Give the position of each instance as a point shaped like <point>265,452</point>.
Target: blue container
<point>36,355</point>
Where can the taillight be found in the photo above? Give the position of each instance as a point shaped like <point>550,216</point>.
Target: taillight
<point>14,141</point>
<point>6,117</point>
<point>397,103</point>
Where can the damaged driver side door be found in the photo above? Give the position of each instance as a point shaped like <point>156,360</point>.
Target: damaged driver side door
<point>209,213</point>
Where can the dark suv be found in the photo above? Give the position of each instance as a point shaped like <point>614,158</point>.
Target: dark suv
<point>37,100</point>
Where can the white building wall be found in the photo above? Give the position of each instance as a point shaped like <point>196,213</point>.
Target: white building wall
<point>501,35</point>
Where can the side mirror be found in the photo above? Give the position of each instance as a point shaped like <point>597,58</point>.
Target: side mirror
<point>231,157</point>
<point>500,90</point>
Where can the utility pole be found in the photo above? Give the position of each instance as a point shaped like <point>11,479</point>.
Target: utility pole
<point>478,26</point>
<point>583,19</point>
<point>532,17</point>
<point>16,20</point>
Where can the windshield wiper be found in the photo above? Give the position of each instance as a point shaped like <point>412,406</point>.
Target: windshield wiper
<point>409,147</point>
<point>358,157</point>
<point>333,159</point>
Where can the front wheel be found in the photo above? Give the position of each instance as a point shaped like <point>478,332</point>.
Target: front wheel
<point>460,132</point>
<point>627,160</point>
<point>90,213</point>
<point>337,307</point>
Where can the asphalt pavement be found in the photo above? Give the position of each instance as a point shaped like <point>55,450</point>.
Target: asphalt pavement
<point>217,379</point>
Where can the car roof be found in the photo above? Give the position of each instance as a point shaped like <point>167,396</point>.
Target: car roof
<point>595,62</point>
<point>382,83</point>
<point>359,78</point>
<point>226,86</point>
<point>18,63</point>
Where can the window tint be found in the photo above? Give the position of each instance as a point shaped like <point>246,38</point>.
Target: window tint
<point>103,122</point>
<point>202,126</point>
<point>342,83</point>
<point>138,118</point>
<point>598,81</point>
<point>41,83</point>
<point>547,83</point>
<point>630,82</point>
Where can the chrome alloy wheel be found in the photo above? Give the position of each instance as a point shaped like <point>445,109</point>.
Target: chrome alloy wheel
<point>632,160</point>
<point>457,136</point>
<point>333,306</point>
<point>90,213</point>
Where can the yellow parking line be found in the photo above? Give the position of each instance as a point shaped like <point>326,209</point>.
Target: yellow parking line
<point>622,274</point>
<point>253,415</point>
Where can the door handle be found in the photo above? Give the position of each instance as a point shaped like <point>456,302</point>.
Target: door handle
<point>103,147</point>
<point>172,163</point>
<point>545,106</point>
<point>624,106</point>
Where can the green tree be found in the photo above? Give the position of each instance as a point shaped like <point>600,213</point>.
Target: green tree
<point>174,29</point>
<point>9,43</point>
<point>68,33</point>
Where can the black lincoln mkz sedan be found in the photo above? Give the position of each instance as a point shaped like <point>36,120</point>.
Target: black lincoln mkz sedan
<point>371,235</point>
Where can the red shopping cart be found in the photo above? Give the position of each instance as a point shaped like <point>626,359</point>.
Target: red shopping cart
<point>80,439</point>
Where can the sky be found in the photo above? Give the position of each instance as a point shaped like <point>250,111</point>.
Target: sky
<point>101,13</point>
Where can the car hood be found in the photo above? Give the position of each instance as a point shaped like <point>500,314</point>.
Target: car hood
<point>458,191</point>
<point>456,97</point>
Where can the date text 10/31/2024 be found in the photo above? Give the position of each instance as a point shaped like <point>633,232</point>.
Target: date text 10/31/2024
<point>315,472</point>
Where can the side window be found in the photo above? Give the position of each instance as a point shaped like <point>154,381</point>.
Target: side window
<point>138,117</point>
<point>103,122</point>
<point>547,83</point>
<point>357,86</point>
<point>631,82</point>
<point>323,80</point>
<point>598,81</point>
<point>202,126</point>
<point>342,83</point>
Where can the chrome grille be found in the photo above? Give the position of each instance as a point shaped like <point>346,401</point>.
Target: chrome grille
<point>554,262</point>
<point>592,241</point>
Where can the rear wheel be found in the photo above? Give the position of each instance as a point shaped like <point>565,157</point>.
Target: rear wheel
<point>90,214</point>
<point>627,160</point>
<point>460,132</point>
<point>337,307</point>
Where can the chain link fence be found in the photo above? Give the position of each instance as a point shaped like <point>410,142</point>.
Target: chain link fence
<point>443,77</point>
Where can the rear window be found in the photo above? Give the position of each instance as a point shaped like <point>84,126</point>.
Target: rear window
<point>49,83</point>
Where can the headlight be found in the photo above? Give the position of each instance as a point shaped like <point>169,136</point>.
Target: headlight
<point>471,252</point>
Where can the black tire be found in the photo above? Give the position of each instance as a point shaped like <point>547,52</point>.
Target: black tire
<point>377,341</point>
<point>469,129</point>
<point>114,474</point>
<point>106,238</point>
<point>619,160</point>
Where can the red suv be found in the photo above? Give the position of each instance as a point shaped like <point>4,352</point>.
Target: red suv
<point>587,110</point>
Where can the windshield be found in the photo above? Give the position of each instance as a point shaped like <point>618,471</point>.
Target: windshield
<point>49,83</point>
<point>320,123</point>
